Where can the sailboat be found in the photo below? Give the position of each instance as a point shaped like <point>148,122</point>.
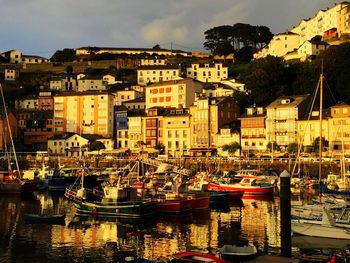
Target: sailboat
<point>11,182</point>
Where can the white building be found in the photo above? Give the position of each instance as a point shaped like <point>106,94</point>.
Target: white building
<point>208,72</point>
<point>91,84</point>
<point>153,74</point>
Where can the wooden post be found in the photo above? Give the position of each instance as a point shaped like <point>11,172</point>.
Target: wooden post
<point>285,210</point>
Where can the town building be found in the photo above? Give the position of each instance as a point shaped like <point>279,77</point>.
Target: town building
<point>155,61</point>
<point>45,100</point>
<point>309,129</point>
<point>172,94</point>
<point>64,83</point>
<point>29,102</point>
<point>253,130</point>
<point>130,51</point>
<point>91,83</point>
<point>157,73</point>
<point>208,116</point>
<point>109,79</point>
<point>84,113</point>
<point>176,132</point>
<point>281,119</point>
<point>11,74</point>
<point>121,126</point>
<point>208,72</point>
<point>15,56</point>
<point>153,127</point>
<point>35,127</point>
<point>136,104</point>
<point>6,132</point>
<point>227,136</point>
<point>308,50</point>
<point>136,132</point>
<point>126,94</point>
<point>339,126</point>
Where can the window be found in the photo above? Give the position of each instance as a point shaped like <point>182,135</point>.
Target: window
<point>168,99</point>
<point>168,90</point>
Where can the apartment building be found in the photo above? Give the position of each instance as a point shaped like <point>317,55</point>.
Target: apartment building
<point>226,136</point>
<point>157,73</point>
<point>136,132</point>
<point>172,94</point>
<point>64,83</point>
<point>208,116</point>
<point>176,132</point>
<point>339,126</point>
<point>127,94</point>
<point>208,72</point>
<point>153,127</point>
<point>91,83</point>
<point>281,119</point>
<point>121,126</point>
<point>253,130</point>
<point>138,104</point>
<point>45,100</point>
<point>84,113</point>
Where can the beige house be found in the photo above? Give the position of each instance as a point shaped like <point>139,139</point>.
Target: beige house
<point>172,94</point>
<point>153,61</point>
<point>84,113</point>
<point>339,126</point>
<point>208,72</point>
<point>280,45</point>
<point>127,94</point>
<point>309,128</point>
<point>109,79</point>
<point>157,73</point>
<point>11,74</point>
<point>253,130</point>
<point>135,104</point>
<point>26,59</point>
<point>14,56</point>
<point>281,119</point>
<point>68,144</point>
<point>64,83</point>
<point>30,102</point>
<point>135,131</point>
<point>176,132</point>
<point>91,84</point>
<point>208,116</point>
<point>309,49</point>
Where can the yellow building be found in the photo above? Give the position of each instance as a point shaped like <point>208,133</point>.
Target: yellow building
<point>176,132</point>
<point>253,130</point>
<point>11,74</point>
<point>84,113</point>
<point>208,72</point>
<point>309,129</point>
<point>91,83</point>
<point>172,94</point>
<point>153,61</point>
<point>339,126</point>
<point>135,131</point>
<point>208,115</point>
<point>157,73</point>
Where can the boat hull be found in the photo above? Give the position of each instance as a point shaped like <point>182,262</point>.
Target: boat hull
<point>248,190</point>
<point>190,256</point>
<point>130,209</point>
<point>320,230</point>
<point>174,206</point>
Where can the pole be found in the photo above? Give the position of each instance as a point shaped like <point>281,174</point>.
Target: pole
<point>285,207</point>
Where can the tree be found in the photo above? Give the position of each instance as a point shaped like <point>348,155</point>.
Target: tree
<point>316,144</point>
<point>97,145</point>
<point>156,46</point>
<point>160,148</point>
<point>65,55</point>
<point>219,39</point>
<point>69,70</point>
<point>292,147</point>
<point>231,148</point>
<point>265,79</point>
<point>272,146</point>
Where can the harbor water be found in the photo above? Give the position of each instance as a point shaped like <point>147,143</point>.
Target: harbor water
<point>89,239</point>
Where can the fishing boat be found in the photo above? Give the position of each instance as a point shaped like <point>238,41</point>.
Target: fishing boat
<point>58,219</point>
<point>169,203</point>
<point>218,191</point>
<point>250,186</point>
<point>192,256</point>
<point>238,253</point>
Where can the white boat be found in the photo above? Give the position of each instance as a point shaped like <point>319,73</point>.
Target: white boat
<point>328,227</point>
<point>236,253</point>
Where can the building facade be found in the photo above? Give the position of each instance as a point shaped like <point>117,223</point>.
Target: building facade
<point>153,74</point>
<point>208,72</point>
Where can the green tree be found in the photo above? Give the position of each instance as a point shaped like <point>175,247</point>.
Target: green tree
<point>316,144</point>
<point>65,55</point>
<point>160,148</point>
<point>292,148</point>
<point>219,39</point>
<point>97,145</point>
<point>272,147</point>
<point>231,148</point>
<point>265,79</point>
<point>69,70</point>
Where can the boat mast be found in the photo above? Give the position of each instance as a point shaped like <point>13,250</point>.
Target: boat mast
<point>10,132</point>
<point>320,146</point>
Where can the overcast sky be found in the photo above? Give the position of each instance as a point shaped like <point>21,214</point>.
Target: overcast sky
<point>40,27</point>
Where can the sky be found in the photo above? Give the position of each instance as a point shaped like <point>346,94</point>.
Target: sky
<point>41,27</point>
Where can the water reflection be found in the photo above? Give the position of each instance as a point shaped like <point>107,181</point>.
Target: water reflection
<point>101,239</point>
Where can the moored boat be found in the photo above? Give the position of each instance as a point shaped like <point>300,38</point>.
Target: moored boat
<point>192,256</point>
<point>238,253</point>
<point>58,219</point>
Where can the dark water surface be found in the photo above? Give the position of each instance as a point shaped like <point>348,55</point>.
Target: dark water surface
<point>87,239</point>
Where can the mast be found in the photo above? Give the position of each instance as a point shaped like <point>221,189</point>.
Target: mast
<point>320,146</point>
<point>10,132</point>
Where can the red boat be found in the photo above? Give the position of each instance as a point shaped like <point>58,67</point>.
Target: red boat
<point>191,256</point>
<point>173,205</point>
<point>198,200</point>
<point>250,186</point>
<point>232,194</point>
